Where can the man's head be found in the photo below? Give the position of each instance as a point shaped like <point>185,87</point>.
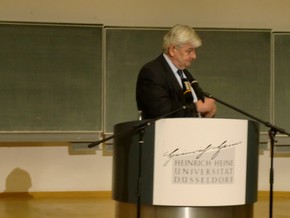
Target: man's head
<point>180,44</point>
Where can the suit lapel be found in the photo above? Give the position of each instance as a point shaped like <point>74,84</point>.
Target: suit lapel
<point>170,76</point>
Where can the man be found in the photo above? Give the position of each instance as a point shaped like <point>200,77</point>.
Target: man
<point>159,86</point>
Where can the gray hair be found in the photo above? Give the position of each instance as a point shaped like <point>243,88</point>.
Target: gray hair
<point>179,35</point>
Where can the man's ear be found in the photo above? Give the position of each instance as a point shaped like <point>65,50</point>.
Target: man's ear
<point>171,50</point>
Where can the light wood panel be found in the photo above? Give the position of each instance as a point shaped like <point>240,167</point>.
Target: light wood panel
<point>81,204</point>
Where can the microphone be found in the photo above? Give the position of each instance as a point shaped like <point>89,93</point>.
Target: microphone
<point>187,91</point>
<point>198,91</point>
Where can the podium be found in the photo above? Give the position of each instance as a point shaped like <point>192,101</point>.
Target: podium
<point>186,168</point>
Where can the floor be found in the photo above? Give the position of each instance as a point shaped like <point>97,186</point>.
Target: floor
<point>101,207</point>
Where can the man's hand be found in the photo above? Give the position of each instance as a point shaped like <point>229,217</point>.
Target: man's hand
<point>206,108</point>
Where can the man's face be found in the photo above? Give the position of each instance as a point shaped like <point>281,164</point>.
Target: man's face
<point>182,56</point>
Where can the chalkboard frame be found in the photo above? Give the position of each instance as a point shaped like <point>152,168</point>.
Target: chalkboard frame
<point>83,45</point>
<point>96,134</point>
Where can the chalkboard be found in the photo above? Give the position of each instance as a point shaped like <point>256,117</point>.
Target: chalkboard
<point>282,78</point>
<point>51,74</point>
<point>50,77</point>
<point>232,64</point>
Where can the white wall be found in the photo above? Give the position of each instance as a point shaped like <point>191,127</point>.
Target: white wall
<point>37,167</point>
<point>50,166</point>
<point>207,13</point>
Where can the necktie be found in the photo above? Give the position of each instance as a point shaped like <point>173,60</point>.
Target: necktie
<point>186,87</point>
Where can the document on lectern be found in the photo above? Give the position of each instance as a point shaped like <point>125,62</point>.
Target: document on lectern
<point>200,162</point>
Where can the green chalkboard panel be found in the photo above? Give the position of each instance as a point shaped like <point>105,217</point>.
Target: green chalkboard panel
<point>50,77</point>
<point>282,79</point>
<point>127,49</point>
<point>233,65</point>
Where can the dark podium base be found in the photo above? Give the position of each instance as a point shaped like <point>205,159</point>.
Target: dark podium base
<point>128,210</point>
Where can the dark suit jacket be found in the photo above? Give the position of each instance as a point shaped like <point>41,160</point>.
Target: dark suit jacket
<point>158,91</point>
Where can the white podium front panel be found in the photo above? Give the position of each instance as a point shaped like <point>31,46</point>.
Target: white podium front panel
<point>200,162</point>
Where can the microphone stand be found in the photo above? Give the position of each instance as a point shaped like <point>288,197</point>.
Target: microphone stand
<point>137,128</point>
<point>272,133</point>
<point>140,128</point>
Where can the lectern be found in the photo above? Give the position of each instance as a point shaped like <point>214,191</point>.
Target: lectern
<point>186,168</point>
